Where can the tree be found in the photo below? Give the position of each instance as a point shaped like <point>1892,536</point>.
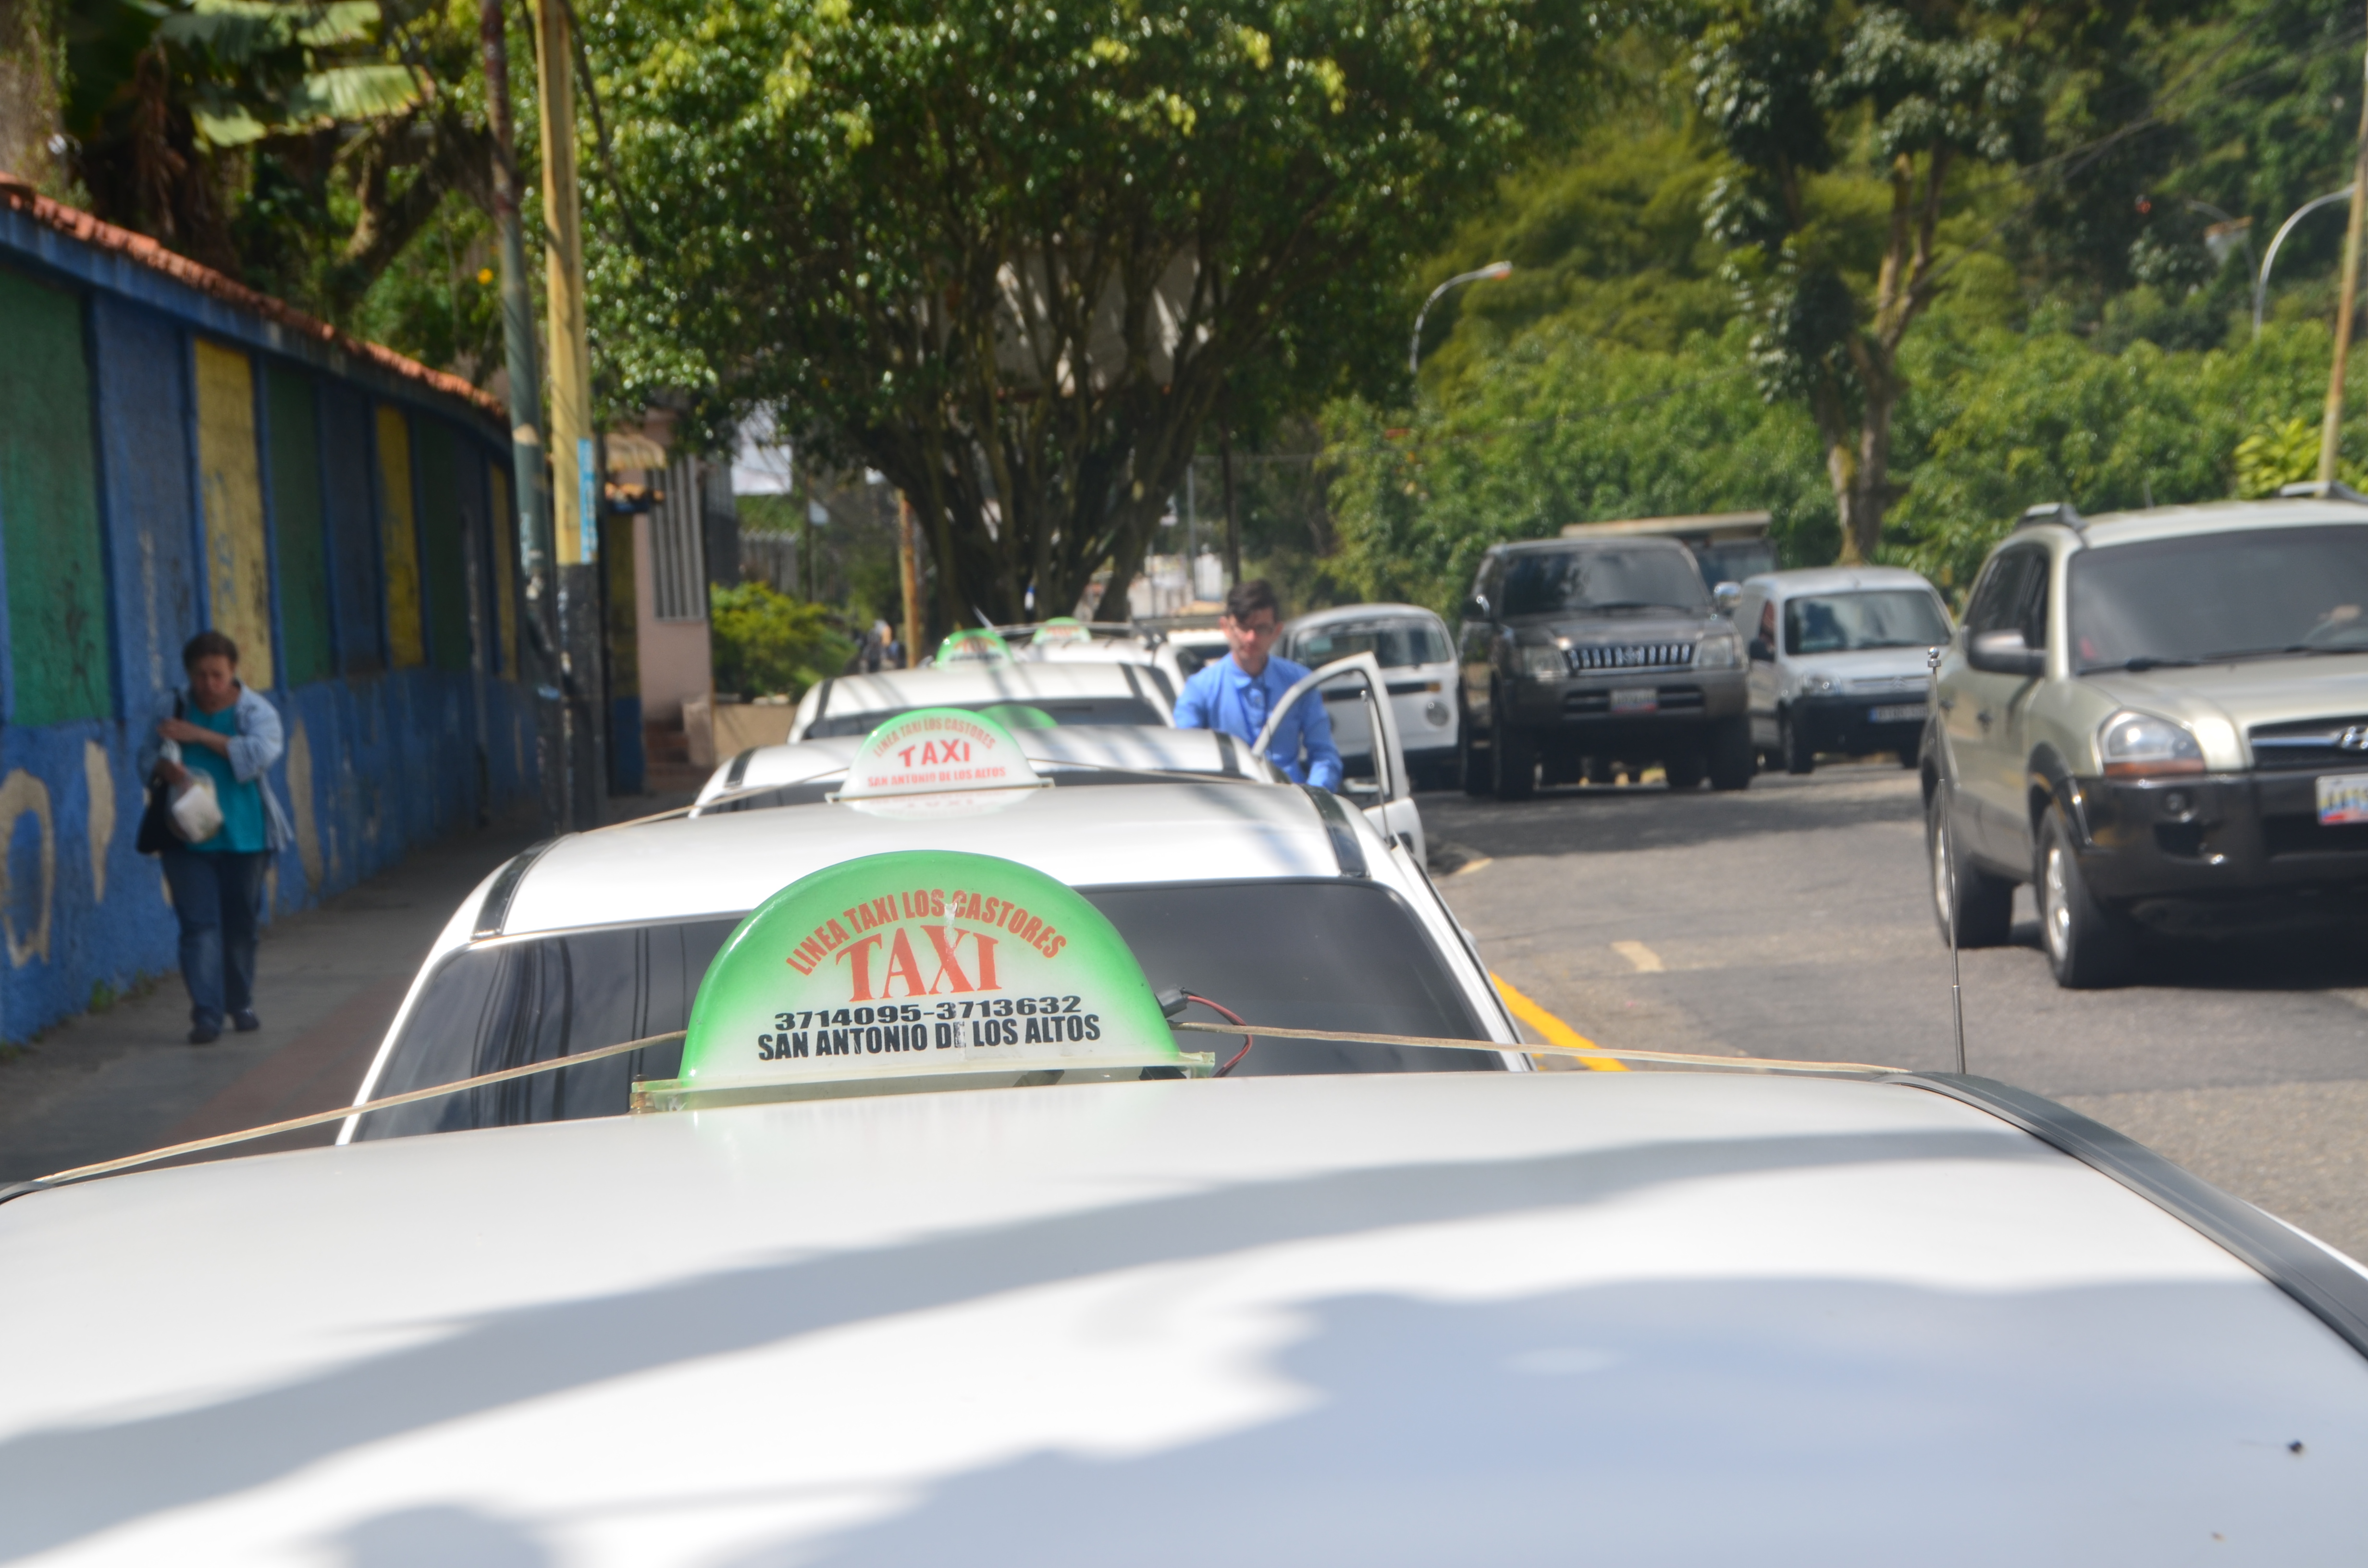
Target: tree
<point>1013,255</point>
<point>1834,269</point>
<point>299,146</point>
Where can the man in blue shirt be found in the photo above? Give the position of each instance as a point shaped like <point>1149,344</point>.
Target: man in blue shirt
<point>1236,694</point>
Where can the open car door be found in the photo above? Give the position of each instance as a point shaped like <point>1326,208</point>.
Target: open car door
<point>1385,795</point>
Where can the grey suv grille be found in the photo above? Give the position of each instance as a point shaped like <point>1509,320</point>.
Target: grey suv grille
<point>2312,743</point>
<point>1632,656</point>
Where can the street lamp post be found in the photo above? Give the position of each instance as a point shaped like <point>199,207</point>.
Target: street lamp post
<point>1413,350</point>
<point>2262,284</point>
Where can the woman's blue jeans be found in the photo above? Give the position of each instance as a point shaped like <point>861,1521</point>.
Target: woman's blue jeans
<point>218,898</point>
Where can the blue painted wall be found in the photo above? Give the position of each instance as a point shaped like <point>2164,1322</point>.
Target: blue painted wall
<point>378,761</point>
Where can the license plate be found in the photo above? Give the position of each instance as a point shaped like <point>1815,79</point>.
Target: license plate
<point>1636,699</point>
<point>2342,798</point>
<point>1896,713</point>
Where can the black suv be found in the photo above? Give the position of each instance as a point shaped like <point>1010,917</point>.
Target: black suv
<point>1580,654</point>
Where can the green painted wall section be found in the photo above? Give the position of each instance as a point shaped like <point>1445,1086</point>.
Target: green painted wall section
<point>442,562</point>
<point>398,531</point>
<point>299,527</point>
<point>230,477</point>
<point>49,509</point>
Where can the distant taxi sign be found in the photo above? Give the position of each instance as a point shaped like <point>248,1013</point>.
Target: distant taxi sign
<point>1060,630</point>
<point>977,646</point>
<point>918,965</point>
<point>934,751</point>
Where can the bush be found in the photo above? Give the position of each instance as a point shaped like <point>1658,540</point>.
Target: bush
<point>768,644</point>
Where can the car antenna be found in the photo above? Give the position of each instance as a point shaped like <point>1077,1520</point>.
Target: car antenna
<point>1947,859</point>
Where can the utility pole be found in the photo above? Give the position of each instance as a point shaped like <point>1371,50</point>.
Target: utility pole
<point>908,565</point>
<point>530,479</point>
<point>2330,434</point>
<point>575,477</point>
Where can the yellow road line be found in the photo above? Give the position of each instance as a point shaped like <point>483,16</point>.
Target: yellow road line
<point>1555,1031</point>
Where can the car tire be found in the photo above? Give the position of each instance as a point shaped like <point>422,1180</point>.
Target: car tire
<point>1686,770</point>
<point>1730,760</point>
<point>1982,909</point>
<point>1470,763</point>
<point>2089,945</point>
<point>1793,747</point>
<point>1512,761</point>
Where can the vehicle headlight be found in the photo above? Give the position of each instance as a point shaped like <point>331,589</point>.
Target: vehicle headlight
<point>2139,746</point>
<point>1434,712</point>
<point>1544,663</point>
<point>1819,685</point>
<point>1720,651</point>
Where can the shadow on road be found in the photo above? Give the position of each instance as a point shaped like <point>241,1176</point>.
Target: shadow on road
<point>1605,819</point>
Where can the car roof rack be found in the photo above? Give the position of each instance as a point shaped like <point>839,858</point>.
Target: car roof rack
<point>2062,512</point>
<point>2321,490</point>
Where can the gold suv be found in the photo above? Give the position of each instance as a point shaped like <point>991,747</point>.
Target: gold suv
<point>2159,719</point>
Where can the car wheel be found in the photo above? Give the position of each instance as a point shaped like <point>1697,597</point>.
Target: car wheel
<point>1470,762</point>
<point>2087,944</point>
<point>1981,906</point>
<point>1685,771</point>
<point>1512,761</point>
<point>1730,756</point>
<point>1793,747</point>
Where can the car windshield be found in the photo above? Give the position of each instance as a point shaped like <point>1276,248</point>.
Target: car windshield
<point>1889,618</point>
<point>1318,954</point>
<point>1607,577</point>
<point>1041,712</point>
<point>1394,644</point>
<point>2248,594</point>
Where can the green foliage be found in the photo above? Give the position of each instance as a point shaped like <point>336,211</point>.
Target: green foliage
<point>766,643</point>
<point>1567,430</point>
<point>1014,256</point>
<point>2046,416</point>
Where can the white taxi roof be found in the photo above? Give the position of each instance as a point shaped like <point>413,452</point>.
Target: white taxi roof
<point>897,691</point>
<point>1077,747</point>
<point>1517,1319</point>
<point>730,863</point>
<point>1835,580</point>
<point>1363,613</point>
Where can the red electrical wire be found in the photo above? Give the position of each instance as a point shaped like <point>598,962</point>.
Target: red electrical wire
<point>1249,1038</point>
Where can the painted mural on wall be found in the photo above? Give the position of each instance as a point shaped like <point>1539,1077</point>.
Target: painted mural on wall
<point>173,457</point>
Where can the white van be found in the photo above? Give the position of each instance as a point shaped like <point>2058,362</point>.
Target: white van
<point>1837,661</point>
<point>1414,648</point>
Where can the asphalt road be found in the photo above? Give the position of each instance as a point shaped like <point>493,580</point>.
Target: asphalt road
<point>1793,920</point>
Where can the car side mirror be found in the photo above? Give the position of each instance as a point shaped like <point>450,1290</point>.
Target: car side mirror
<point>1761,653</point>
<point>1476,608</point>
<point>2005,653</point>
<point>1726,596</point>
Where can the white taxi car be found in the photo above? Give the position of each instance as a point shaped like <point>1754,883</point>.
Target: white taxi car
<point>1418,657</point>
<point>1099,692</point>
<point>1168,1317</point>
<point>1278,900</point>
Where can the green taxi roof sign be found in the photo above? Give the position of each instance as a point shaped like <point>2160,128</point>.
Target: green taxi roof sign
<point>975,646</point>
<point>918,969</point>
<point>932,751</point>
<point>1060,630</point>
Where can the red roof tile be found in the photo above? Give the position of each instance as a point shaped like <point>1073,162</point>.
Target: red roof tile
<point>80,225</point>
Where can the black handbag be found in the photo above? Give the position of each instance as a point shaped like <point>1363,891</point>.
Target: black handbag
<point>157,834</point>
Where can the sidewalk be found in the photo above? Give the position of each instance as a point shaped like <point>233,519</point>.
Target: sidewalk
<point>327,984</point>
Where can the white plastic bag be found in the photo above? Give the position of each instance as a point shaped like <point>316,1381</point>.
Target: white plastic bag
<point>197,813</point>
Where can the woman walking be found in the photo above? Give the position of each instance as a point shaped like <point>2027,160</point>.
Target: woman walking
<point>229,735</point>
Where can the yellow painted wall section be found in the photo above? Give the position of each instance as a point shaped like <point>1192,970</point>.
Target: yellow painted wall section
<point>238,564</point>
<point>504,531</point>
<point>399,531</point>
